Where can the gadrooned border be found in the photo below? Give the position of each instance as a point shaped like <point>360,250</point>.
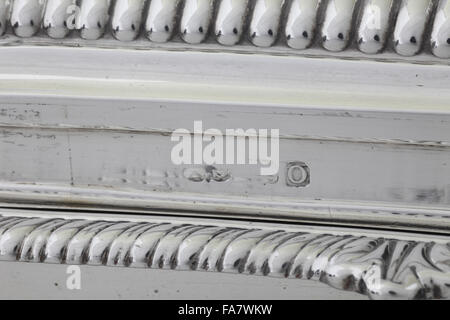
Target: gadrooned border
<point>378,267</point>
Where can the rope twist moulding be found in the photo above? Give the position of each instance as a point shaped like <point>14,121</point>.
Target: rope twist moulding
<point>373,26</point>
<point>378,267</point>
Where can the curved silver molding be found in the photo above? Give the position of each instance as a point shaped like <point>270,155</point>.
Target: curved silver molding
<point>26,16</point>
<point>301,23</point>
<point>378,267</point>
<point>195,20</point>
<point>92,18</point>
<point>373,30</point>
<point>440,41</point>
<point>161,20</point>
<point>55,18</point>
<point>373,160</point>
<point>4,15</point>
<point>126,21</point>
<point>265,22</point>
<point>406,27</point>
<point>410,28</point>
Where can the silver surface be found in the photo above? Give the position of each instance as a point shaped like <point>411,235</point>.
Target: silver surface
<point>373,30</point>
<point>337,25</point>
<point>375,158</point>
<point>440,39</point>
<point>92,18</point>
<point>196,19</point>
<point>301,24</point>
<point>48,281</point>
<point>161,20</point>
<point>412,20</point>
<point>378,267</point>
<point>265,22</point>
<point>126,20</point>
<point>56,18</point>
<point>230,21</point>
<point>407,27</point>
<point>26,16</point>
<point>4,15</point>
<point>364,143</point>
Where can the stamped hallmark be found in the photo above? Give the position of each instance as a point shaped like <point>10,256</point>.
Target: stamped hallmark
<point>297,174</point>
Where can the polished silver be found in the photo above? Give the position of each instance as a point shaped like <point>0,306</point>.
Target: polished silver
<point>265,22</point>
<point>26,17</point>
<point>361,200</point>
<point>126,19</point>
<point>440,36</point>
<point>161,19</point>
<point>373,30</point>
<point>301,23</point>
<point>411,25</point>
<point>378,267</point>
<point>196,20</point>
<point>4,15</point>
<point>354,139</point>
<point>56,18</point>
<point>337,25</point>
<point>93,18</point>
<point>373,26</point>
<point>230,21</point>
